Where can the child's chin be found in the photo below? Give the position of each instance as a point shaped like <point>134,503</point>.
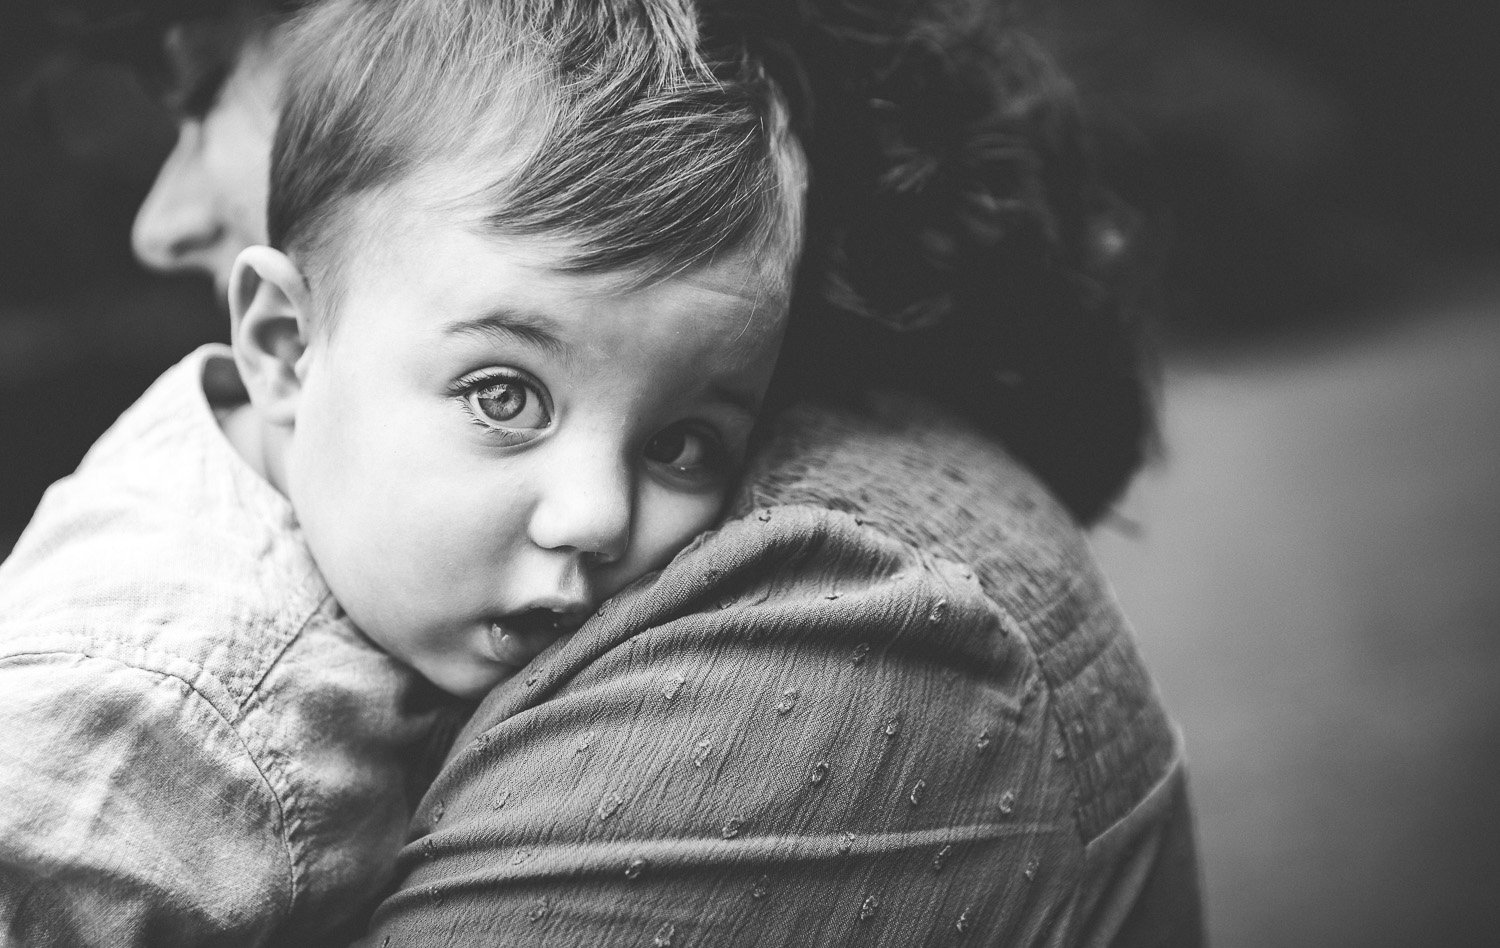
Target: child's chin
<point>470,683</point>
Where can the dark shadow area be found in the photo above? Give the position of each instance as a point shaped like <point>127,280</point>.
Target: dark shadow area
<point>1313,167</point>
<point>83,328</point>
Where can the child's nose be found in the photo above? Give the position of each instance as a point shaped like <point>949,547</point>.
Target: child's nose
<point>177,224</point>
<point>585,505</point>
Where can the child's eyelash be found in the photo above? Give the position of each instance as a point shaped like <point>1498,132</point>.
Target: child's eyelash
<point>473,419</point>
<point>465,384</point>
<point>505,436</point>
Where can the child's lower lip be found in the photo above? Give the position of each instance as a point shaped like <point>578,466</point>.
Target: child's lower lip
<point>509,645</point>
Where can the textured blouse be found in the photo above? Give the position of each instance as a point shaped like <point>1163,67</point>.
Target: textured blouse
<point>890,702</point>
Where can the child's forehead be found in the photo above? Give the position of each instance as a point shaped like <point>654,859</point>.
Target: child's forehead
<point>459,281</point>
<point>418,211</point>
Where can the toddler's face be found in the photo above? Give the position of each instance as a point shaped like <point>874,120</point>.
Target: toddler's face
<point>486,448</point>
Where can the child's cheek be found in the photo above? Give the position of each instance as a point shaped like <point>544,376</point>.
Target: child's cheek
<point>669,521</point>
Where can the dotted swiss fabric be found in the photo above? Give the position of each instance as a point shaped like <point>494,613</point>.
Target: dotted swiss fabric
<point>889,702</point>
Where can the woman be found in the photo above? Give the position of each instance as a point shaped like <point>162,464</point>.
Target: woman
<point>890,700</point>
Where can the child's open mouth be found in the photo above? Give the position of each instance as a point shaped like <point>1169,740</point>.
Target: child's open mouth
<point>519,637</point>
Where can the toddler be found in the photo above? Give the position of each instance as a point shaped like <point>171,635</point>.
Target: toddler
<point>528,271</point>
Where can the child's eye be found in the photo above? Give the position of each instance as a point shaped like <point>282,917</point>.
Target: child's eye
<point>689,454</point>
<point>508,404</point>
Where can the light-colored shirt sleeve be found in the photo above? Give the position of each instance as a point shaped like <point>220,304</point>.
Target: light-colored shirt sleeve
<point>130,814</point>
<point>197,747</point>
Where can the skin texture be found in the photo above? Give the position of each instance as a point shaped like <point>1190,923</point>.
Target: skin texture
<point>208,201</point>
<point>439,526</point>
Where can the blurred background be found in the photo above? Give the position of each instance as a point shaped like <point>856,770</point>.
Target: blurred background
<point>1313,565</point>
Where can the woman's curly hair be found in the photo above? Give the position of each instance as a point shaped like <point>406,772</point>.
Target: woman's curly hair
<point>960,242</point>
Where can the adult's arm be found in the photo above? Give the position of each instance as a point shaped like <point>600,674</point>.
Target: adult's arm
<point>825,726</point>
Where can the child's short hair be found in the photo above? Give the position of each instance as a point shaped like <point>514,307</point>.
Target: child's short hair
<point>602,124</point>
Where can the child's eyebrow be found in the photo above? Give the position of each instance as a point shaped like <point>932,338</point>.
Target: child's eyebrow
<point>509,325</point>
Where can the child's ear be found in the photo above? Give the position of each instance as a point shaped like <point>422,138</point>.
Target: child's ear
<point>270,314</point>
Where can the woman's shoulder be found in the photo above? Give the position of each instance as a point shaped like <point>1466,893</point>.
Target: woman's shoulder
<point>943,495</point>
<point>915,472</point>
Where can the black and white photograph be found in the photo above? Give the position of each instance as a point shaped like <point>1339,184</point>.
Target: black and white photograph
<point>749,473</point>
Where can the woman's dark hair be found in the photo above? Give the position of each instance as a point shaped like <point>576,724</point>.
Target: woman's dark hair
<point>961,244</point>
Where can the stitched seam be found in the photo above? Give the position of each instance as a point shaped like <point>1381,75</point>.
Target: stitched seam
<point>253,701</point>
<point>1050,685</point>
<point>228,724</point>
